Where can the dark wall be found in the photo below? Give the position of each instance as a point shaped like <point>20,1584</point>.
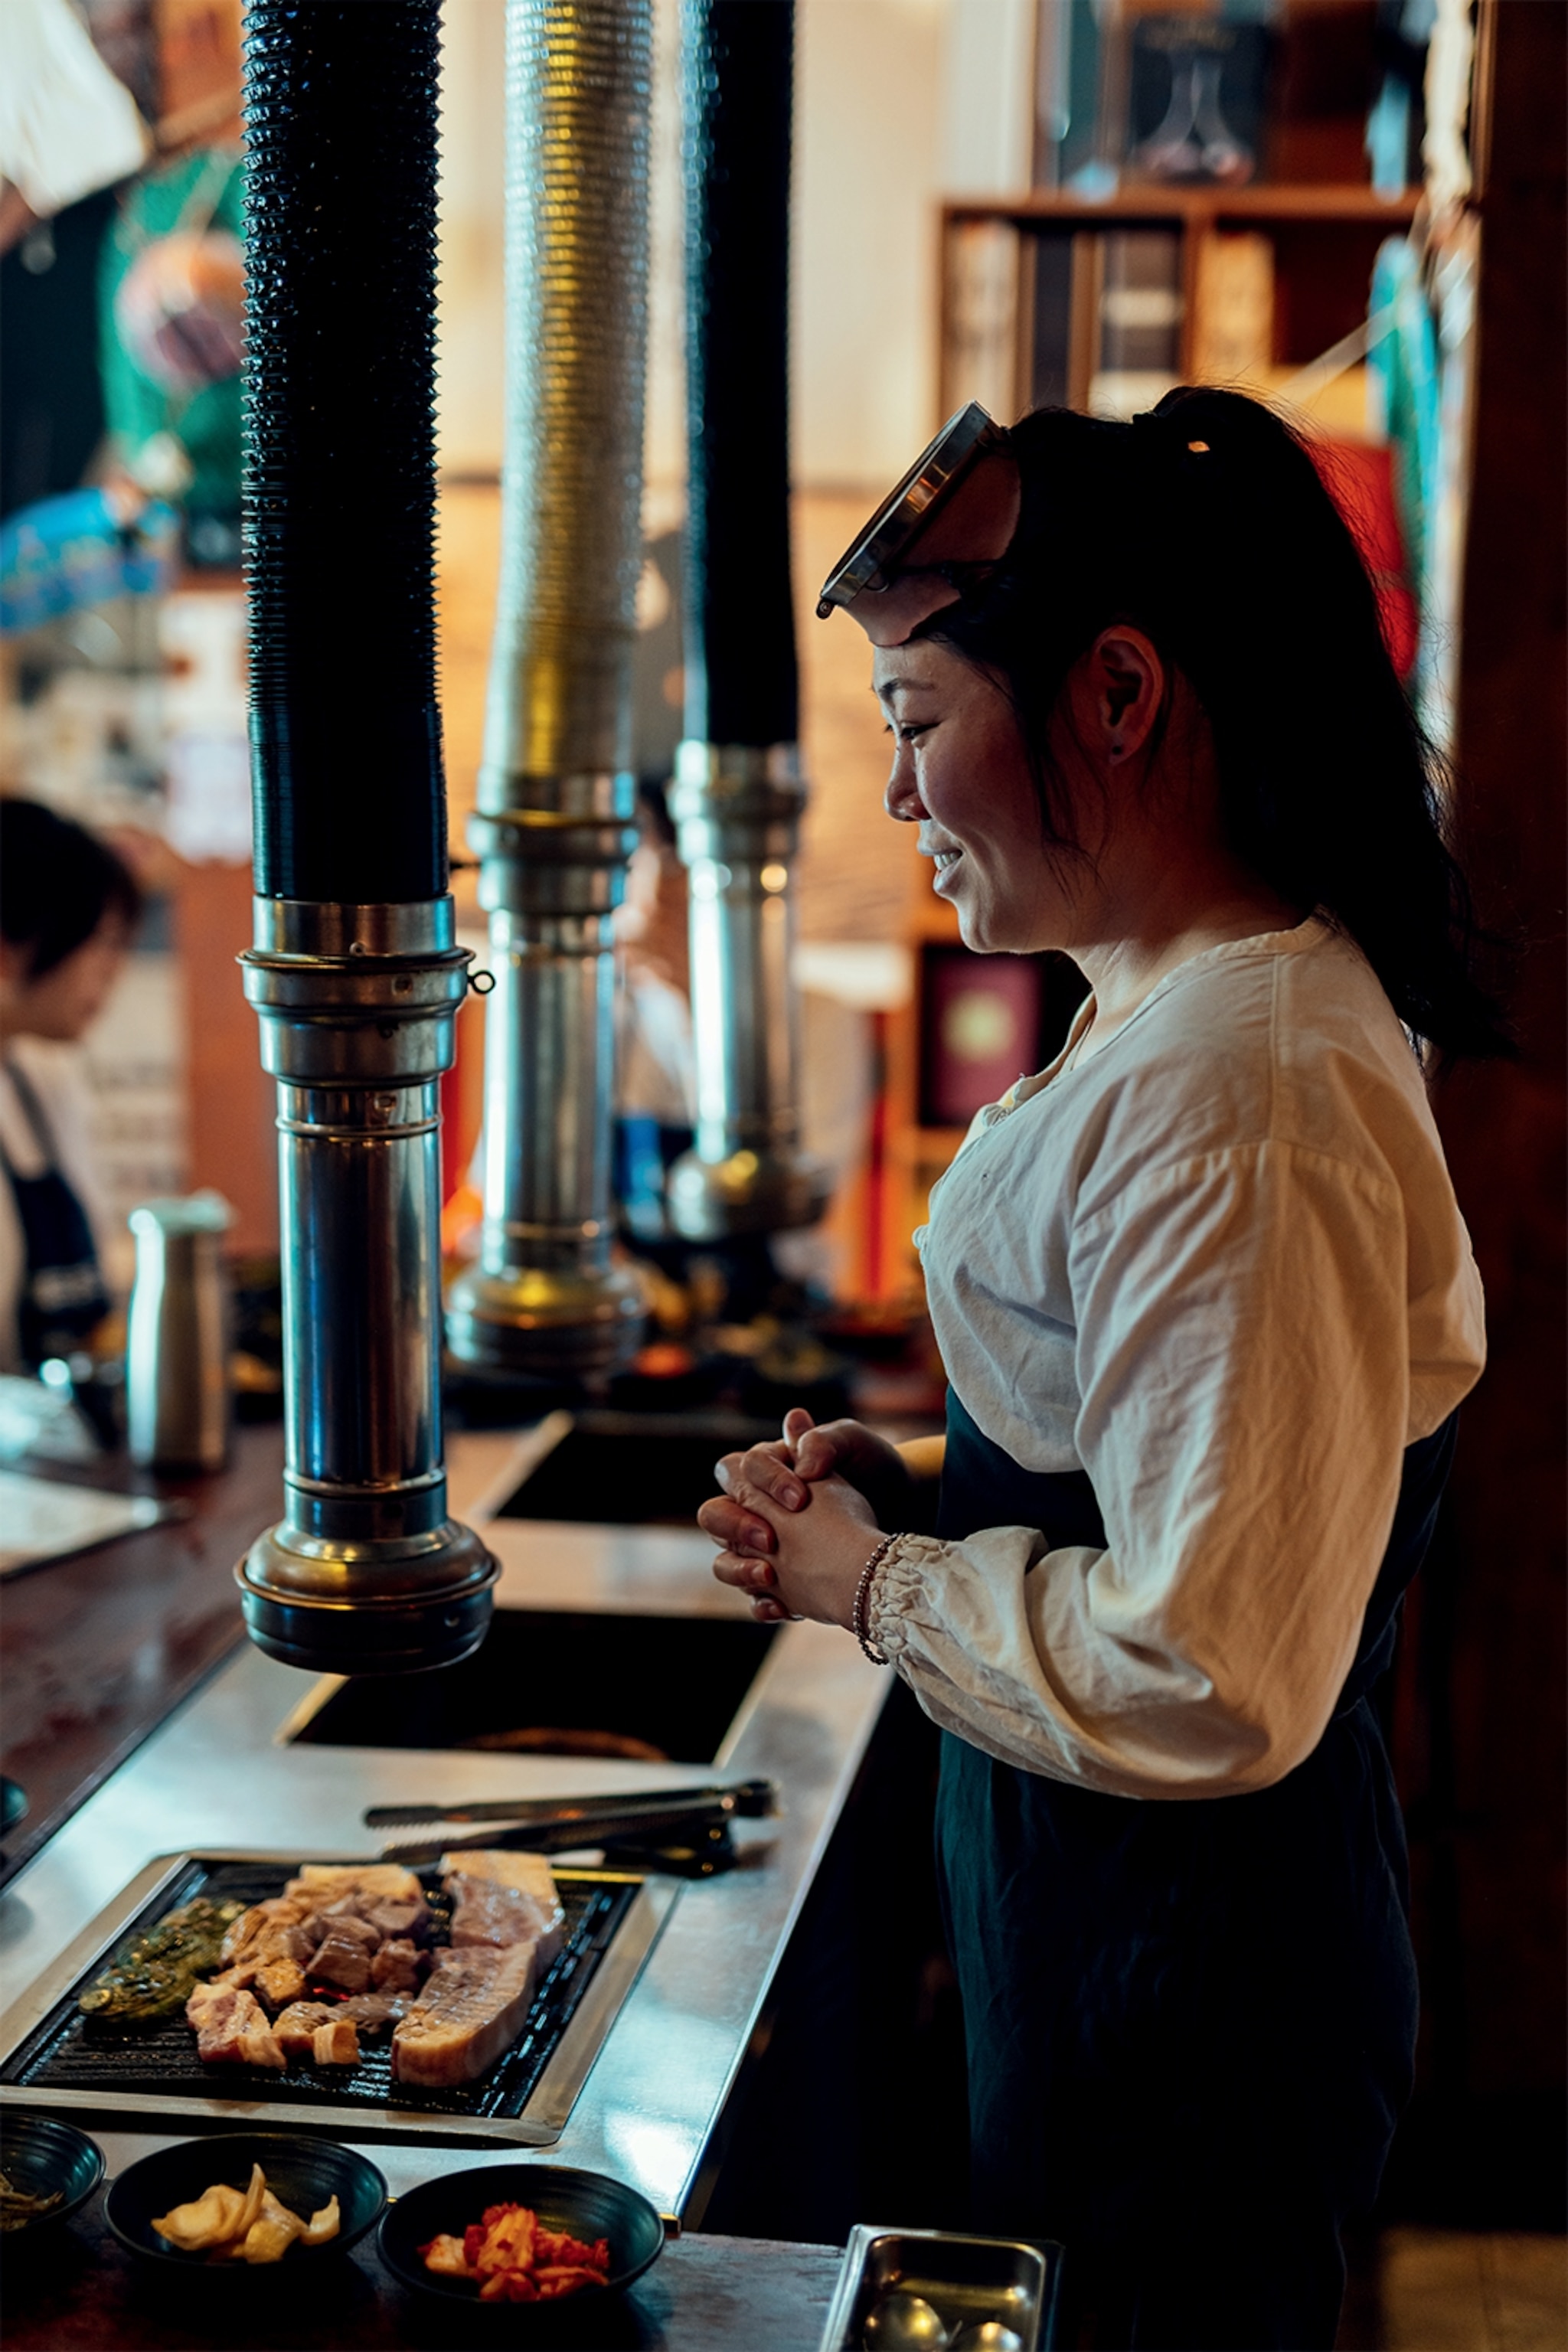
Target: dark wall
<point>1489,1823</point>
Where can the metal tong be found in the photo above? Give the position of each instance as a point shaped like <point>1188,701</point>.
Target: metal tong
<point>554,1824</point>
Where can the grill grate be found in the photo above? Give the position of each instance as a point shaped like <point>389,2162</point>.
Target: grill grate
<point>65,2053</point>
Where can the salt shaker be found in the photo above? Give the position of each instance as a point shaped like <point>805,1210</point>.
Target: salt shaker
<point>177,1358</point>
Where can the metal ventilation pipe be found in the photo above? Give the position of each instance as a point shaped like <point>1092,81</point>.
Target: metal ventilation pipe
<point>739,792</point>
<point>557,799</point>
<point>354,970</point>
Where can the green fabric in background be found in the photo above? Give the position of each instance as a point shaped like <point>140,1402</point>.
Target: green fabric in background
<point>206,423</point>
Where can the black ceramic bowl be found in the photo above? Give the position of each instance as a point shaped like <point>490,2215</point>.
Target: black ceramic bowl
<point>586,2203</point>
<point>304,2174</point>
<point>46,2159</point>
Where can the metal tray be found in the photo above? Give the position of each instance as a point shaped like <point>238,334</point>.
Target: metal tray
<point>964,2279</point>
<point>48,2058</point>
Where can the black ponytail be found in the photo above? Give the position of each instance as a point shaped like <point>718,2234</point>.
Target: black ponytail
<point>1207,525</point>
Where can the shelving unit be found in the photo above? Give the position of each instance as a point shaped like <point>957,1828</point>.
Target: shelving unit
<point>1323,239</point>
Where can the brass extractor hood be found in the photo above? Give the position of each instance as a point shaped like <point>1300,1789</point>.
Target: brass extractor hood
<point>354,972</point>
<point>556,820</point>
<point>739,792</point>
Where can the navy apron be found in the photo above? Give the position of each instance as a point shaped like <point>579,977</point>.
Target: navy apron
<point>62,1297</point>
<point>1191,2024</point>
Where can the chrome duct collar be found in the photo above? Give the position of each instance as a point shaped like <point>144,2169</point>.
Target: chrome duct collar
<point>737,809</point>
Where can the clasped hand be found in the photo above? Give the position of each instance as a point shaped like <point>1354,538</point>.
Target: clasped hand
<point>799,1519</point>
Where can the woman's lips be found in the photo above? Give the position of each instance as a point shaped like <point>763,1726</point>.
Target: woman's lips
<point>948,862</point>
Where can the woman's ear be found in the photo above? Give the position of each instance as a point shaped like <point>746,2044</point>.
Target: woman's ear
<point>1125,683</point>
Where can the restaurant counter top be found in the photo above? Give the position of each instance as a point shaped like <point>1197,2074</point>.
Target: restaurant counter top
<point>222,1773</point>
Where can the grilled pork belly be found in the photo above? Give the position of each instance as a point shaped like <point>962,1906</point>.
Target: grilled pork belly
<point>373,2012</point>
<point>336,2043</point>
<point>231,2028</point>
<point>504,1898</point>
<point>296,2026</point>
<point>472,2008</point>
<point>279,1982</point>
<point>400,1922</point>
<point>398,1966</point>
<point>320,1884</point>
<point>343,1959</point>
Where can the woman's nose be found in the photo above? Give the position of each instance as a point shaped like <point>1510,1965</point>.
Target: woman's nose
<point>902,799</point>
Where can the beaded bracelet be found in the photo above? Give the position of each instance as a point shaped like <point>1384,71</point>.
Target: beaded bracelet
<point>858,1614</point>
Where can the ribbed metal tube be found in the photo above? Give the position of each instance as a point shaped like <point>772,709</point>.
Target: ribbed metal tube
<point>340,489</point>
<point>739,792</point>
<point>354,970</point>
<point>557,798</point>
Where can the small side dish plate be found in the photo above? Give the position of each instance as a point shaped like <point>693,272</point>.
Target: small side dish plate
<point>587,2204</point>
<point>966,2281</point>
<point>303,2173</point>
<point>45,2158</point>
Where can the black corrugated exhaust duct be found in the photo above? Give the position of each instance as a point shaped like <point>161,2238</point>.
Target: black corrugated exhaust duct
<point>354,970</point>
<point>739,792</point>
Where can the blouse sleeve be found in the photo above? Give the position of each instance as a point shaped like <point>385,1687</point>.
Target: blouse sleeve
<point>1243,1365</point>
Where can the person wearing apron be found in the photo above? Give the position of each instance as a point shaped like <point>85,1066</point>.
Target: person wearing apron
<point>1208,1311</point>
<point>67,908</point>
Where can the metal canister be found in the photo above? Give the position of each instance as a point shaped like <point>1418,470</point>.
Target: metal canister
<point>177,1358</point>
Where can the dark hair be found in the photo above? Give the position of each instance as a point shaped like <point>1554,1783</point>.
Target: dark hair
<point>58,882</point>
<point>1207,525</point>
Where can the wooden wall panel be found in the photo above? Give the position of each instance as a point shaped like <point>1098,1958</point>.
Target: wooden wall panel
<point>1504,1127</point>
<point>233,1143</point>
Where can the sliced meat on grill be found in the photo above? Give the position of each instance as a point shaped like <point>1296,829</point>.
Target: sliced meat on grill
<point>373,2012</point>
<point>343,1959</point>
<point>279,1982</point>
<point>296,2027</point>
<point>486,1914</point>
<point>398,1966</point>
<point>336,2043</point>
<point>263,1921</point>
<point>503,1898</point>
<point>351,1923</point>
<point>231,2028</point>
<point>320,1884</point>
<point>400,1922</point>
<point>471,2008</point>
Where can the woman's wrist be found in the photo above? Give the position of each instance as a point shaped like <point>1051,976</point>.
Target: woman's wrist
<point>860,1611</point>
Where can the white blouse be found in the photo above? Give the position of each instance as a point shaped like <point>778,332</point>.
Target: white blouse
<point>1219,1266</point>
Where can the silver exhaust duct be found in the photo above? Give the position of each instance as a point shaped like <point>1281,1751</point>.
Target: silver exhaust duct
<point>739,792</point>
<point>354,972</point>
<point>556,820</point>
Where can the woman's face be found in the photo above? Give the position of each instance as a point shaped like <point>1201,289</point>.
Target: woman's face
<point>62,1004</point>
<point>960,773</point>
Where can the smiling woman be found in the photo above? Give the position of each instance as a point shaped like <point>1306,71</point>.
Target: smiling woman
<point>1207,1308</point>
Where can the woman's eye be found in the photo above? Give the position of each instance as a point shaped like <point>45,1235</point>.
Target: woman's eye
<point>911,734</point>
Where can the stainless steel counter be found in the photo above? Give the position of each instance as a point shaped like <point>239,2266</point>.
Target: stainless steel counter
<point>221,1774</point>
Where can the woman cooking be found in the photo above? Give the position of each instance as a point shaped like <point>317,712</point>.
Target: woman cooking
<point>68,906</point>
<point>1207,1308</point>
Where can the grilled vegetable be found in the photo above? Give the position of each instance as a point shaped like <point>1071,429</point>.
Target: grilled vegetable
<point>152,1979</point>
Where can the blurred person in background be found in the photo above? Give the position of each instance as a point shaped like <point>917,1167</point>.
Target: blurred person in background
<point>69,906</point>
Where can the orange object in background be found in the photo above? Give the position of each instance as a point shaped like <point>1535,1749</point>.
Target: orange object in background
<point>1359,478</point>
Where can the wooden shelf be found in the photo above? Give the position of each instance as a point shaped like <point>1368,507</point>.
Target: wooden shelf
<point>1194,207</point>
